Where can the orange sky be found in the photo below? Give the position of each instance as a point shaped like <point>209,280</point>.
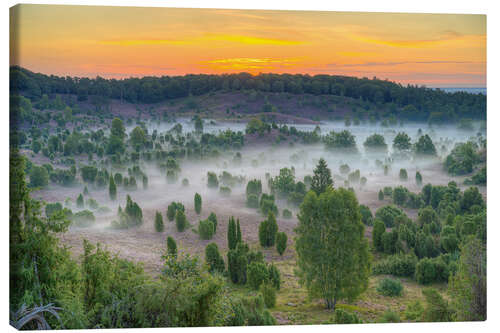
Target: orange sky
<point>118,42</point>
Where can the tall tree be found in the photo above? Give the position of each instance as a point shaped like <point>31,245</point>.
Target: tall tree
<point>112,188</point>
<point>197,203</point>
<point>238,232</point>
<point>322,178</point>
<point>468,286</point>
<point>232,240</point>
<point>332,253</point>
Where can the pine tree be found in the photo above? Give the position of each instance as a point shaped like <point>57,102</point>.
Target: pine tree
<point>232,239</point>
<point>238,232</point>
<point>180,220</point>
<point>268,230</point>
<point>112,188</point>
<point>418,178</point>
<point>159,226</point>
<point>197,203</point>
<point>322,178</point>
<point>281,240</point>
<point>79,201</point>
<point>171,246</point>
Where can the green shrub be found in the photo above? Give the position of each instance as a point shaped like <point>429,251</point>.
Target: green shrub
<point>185,182</point>
<point>225,191</point>
<point>437,309</point>
<point>254,187</point>
<point>287,214</point>
<point>281,241</point>
<point>380,195</point>
<point>431,270</point>
<point>197,203</point>
<point>181,220</point>
<point>274,276</point>
<point>390,316</point>
<point>237,264</point>
<point>414,311</point>
<point>206,229</point>
<point>366,215</point>
<point>172,210</point>
<point>390,287</point>
<point>79,201</point>
<point>403,175</point>
<point>345,317</point>
<point>52,208</point>
<point>84,218</point>
<point>388,214</point>
<point>212,180</point>
<point>418,178</point>
<point>257,274</point>
<point>159,226</point>
<point>377,233</point>
<point>400,195</point>
<point>252,201</point>
<point>171,246</point>
<point>212,217</point>
<point>269,294</point>
<point>398,265</point>
<point>213,258</point>
<point>267,231</point>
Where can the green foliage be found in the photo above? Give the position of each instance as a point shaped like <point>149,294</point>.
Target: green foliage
<point>401,142</point>
<point>281,242</point>
<point>414,311</point>
<point>181,221</point>
<point>330,238</point>
<point>268,292</point>
<point>254,187</point>
<point>467,287</point>
<point>345,317</point>
<point>79,201</point>
<point>380,195</point>
<point>225,191</point>
<point>171,246</point>
<point>462,159</point>
<point>287,214</point>
<point>375,143</point>
<point>237,263</point>
<point>39,177</point>
<point>274,276</point>
<point>232,239</point>
<point>425,147</point>
<point>267,205</point>
<point>478,178</point>
<point>84,218</point>
<point>403,175</point>
<point>418,178</point>
<point>366,215</point>
<point>400,195</point>
<point>112,188</point>
<point>159,226</point>
<point>267,231</point>
<point>397,265</point>
<point>390,287</point>
<point>172,210</point>
<point>388,215</point>
<point>197,203</point>
<point>322,178</point>
<point>377,233</point>
<point>436,309</point>
<point>257,274</point>
<point>213,259</point>
<point>206,229</point>
<point>284,183</point>
<point>342,141</point>
<point>390,317</point>
<point>252,201</point>
<point>431,270</point>
<point>213,218</point>
<point>212,180</point>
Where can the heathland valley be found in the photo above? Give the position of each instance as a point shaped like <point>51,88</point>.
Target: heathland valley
<point>215,200</point>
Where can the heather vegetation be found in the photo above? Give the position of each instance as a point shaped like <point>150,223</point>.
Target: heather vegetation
<point>213,200</point>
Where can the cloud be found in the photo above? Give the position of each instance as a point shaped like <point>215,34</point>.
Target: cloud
<point>209,38</point>
<point>395,63</point>
<point>251,63</point>
<point>445,36</point>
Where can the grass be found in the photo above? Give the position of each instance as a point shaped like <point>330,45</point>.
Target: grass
<point>294,307</point>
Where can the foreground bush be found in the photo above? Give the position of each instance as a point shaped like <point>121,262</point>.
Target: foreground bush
<point>398,265</point>
<point>390,287</point>
<point>269,294</point>
<point>213,258</point>
<point>281,241</point>
<point>346,317</point>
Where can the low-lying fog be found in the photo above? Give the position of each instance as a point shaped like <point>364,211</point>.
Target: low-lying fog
<point>144,244</point>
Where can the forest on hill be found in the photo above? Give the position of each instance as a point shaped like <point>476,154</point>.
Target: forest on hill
<point>411,102</point>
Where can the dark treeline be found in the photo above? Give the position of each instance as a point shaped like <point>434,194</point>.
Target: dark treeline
<point>409,102</point>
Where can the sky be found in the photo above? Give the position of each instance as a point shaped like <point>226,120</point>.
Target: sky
<point>436,50</point>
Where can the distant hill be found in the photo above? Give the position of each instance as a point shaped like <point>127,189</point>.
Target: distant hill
<point>310,97</point>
